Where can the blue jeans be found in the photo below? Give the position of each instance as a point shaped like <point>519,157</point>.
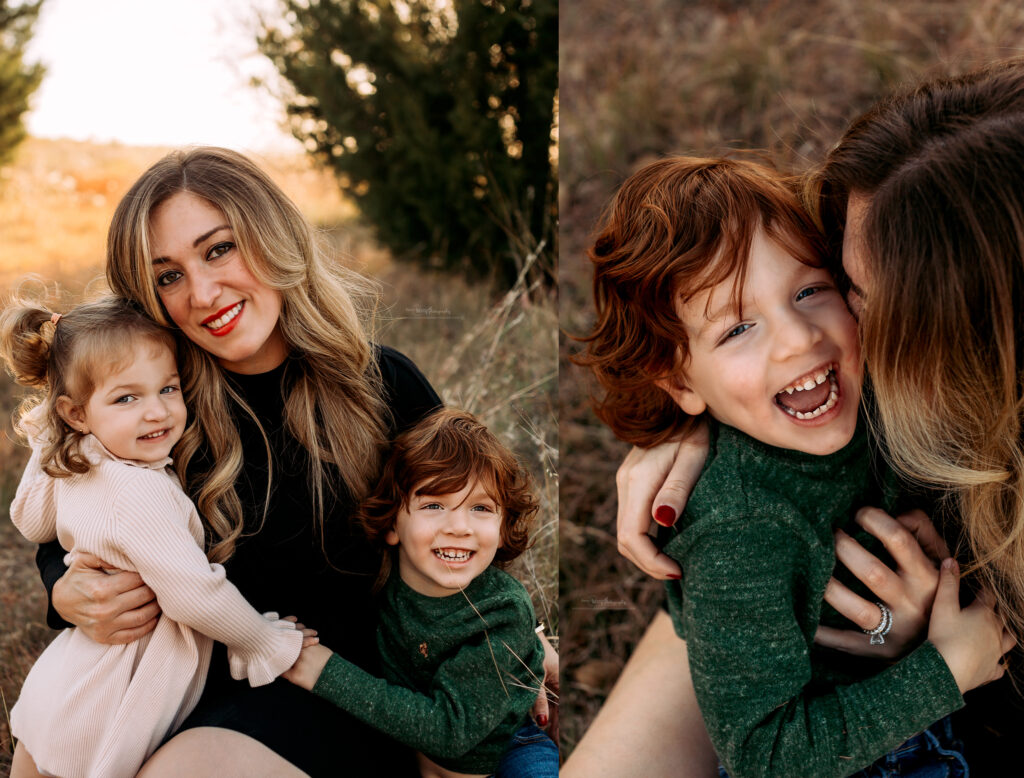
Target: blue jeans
<point>935,753</point>
<point>530,754</point>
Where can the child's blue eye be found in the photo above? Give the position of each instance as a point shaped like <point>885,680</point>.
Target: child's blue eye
<point>738,330</point>
<point>486,508</point>
<point>433,506</point>
<point>170,389</point>
<point>124,399</point>
<point>809,291</point>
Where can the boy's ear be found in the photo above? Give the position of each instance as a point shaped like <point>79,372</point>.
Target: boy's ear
<point>73,415</point>
<point>391,538</point>
<point>687,399</point>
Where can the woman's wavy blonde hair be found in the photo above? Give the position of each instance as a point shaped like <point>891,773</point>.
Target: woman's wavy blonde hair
<point>64,356</point>
<point>943,325</point>
<point>334,406</point>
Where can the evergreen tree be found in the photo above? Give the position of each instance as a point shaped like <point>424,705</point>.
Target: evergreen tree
<point>17,80</point>
<point>437,116</point>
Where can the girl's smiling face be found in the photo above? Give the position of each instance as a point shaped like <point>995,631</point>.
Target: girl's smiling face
<point>137,411</point>
<point>208,290</point>
<point>445,541</point>
<point>786,368</point>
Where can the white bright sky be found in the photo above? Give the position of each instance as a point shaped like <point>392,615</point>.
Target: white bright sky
<point>154,72</point>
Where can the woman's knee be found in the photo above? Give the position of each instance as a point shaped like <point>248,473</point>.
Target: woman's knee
<point>215,751</point>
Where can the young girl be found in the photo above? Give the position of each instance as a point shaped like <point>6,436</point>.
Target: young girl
<point>111,411</point>
<point>461,659</point>
<point>712,302</point>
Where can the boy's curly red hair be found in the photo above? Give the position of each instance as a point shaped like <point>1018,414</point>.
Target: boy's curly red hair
<point>442,454</point>
<point>677,227</point>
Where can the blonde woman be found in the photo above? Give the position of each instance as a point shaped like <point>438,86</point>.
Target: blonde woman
<point>292,407</point>
<point>923,205</point>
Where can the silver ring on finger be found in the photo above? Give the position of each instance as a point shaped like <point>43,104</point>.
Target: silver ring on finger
<point>878,633</point>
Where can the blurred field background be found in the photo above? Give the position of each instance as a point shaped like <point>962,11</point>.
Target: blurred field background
<point>494,353</point>
<point>651,78</point>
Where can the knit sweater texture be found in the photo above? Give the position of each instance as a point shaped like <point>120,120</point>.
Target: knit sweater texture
<point>460,672</point>
<point>756,548</point>
<point>88,709</point>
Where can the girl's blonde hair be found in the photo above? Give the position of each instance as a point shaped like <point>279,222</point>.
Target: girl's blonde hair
<point>943,325</point>
<point>334,406</point>
<point>64,357</point>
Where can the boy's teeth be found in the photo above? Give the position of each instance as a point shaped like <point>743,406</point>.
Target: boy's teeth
<point>809,382</point>
<point>825,407</point>
<point>452,555</point>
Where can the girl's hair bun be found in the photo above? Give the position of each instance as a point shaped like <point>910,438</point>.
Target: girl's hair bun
<point>26,337</point>
<point>66,356</point>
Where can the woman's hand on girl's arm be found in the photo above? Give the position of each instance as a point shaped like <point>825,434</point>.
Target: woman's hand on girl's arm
<point>972,640</point>
<point>545,710</point>
<point>655,483</point>
<point>908,592</point>
<point>110,608</point>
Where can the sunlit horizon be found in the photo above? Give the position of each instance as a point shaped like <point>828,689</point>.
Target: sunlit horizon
<point>154,74</point>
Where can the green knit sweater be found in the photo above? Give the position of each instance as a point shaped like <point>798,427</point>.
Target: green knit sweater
<point>756,548</point>
<point>461,672</point>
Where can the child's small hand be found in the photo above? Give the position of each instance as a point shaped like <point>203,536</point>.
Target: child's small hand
<point>309,665</point>
<point>972,640</point>
<point>308,635</point>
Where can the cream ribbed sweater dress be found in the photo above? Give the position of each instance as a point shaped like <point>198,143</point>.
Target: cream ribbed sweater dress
<point>99,711</point>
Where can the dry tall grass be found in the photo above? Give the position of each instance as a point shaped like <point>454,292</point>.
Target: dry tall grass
<point>496,357</point>
<point>654,77</point>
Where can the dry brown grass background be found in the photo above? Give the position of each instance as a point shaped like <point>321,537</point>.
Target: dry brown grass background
<point>655,77</point>
<point>491,353</point>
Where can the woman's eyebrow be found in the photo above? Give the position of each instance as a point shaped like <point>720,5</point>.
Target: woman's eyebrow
<point>196,242</point>
<point>208,233</point>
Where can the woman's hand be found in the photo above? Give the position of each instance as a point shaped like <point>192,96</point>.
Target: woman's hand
<point>916,547</point>
<point>972,640</point>
<point>656,483</point>
<point>545,710</point>
<point>110,608</point>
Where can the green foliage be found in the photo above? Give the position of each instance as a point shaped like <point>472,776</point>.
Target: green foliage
<point>17,80</point>
<point>437,117</point>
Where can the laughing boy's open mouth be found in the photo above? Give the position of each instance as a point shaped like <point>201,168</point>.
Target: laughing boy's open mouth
<point>812,395</point>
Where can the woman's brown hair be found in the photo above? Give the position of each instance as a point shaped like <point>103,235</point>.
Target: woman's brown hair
<point>444,453</point>
<point>938,169</point>
<point>676,227</point>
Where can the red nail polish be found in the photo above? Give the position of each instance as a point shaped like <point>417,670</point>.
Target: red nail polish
<point>542,720</point>
<point>675,576</point>
<point>665,515</point>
